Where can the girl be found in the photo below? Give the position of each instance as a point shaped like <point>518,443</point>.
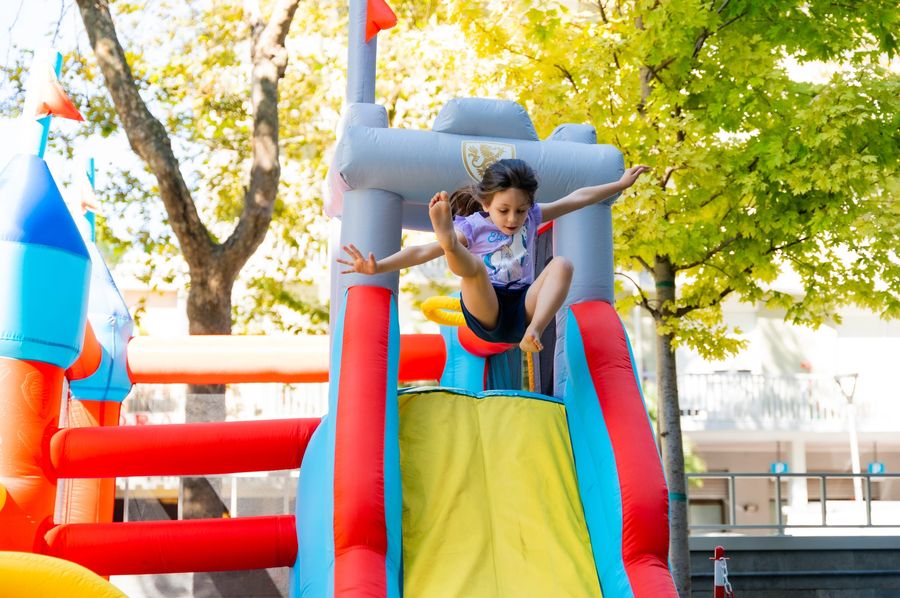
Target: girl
<point>487,234</point>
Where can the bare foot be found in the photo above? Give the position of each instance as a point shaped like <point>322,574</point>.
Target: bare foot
<point>442,221</point>
<point>531,342</point>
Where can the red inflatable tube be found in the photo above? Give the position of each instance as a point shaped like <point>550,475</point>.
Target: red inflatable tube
<point>90,357</point>
<point>144,547</point>
<point>238,359</point>
<point>479,347</point>
<point>360,537</point>
<point>180,449</point>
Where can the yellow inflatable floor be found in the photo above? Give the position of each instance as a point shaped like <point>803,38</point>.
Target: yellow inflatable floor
<point>490,500</point>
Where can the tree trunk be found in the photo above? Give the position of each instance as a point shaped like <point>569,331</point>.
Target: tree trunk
<point>670,433</point>
<point>209,312</point>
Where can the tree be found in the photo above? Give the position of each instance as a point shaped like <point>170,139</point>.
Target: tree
<point>755,173</point>
<point>213,265</point>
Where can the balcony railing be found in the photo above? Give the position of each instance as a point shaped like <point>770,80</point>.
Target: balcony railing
<point>868,513</point>
<point>761,400</point>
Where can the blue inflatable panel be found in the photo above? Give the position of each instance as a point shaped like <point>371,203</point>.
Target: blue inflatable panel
<point>34,212</point>
<point>461,369</point>
<point>113,326</point>
<point>312,572</point>
<point>44,266</point>
<point>312,575</point>
<point>43,303</point>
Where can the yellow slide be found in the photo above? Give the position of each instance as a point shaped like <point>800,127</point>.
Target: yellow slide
<point>490,499</point>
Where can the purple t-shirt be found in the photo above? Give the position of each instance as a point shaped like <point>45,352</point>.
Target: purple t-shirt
<point>508,259</point>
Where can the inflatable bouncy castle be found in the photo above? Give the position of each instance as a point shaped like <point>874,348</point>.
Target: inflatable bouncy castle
<point>471,487</point>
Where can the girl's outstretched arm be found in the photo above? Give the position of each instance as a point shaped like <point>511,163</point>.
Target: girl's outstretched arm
<point>589,195</point>
<point>409,256</point>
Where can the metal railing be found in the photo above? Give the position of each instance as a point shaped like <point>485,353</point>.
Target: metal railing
<point>737,396</point>
<point>236,491</point>
<point>780,524</point>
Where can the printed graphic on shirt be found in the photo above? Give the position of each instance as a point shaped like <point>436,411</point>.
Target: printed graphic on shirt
<point>507,263</point>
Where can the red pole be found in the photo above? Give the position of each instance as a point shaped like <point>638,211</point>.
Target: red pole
<point>181,449</point>
<point>143,547</point>
<point>721,586</point>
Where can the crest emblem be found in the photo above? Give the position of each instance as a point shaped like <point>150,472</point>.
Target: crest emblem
<point>478,155</point>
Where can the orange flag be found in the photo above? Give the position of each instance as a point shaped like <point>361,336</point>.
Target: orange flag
<point>378,16</point>
<point>52,98</point>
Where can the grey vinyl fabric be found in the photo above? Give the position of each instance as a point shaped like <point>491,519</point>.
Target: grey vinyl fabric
<point>543,365</point>
<point>576,133</point>
<point>485,118</point>
<point>416,164</point>
<point>382,179</point>
<point>585,237</point>
<point>371,221</point>
<point>361,57</point>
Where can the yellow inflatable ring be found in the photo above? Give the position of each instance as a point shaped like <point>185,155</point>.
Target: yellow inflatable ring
<point>447,312</point>
<point>26,574</point>
<point>444,310</point>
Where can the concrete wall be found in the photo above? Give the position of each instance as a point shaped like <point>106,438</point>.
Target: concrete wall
<point>830,567</point>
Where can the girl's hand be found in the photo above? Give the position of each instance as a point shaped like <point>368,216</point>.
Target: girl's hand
<point>357,262</point>
<point>631,175</point>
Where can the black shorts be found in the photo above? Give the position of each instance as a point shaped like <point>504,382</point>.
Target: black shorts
<point>511,320</point>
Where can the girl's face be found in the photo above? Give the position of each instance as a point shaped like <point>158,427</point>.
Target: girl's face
<point>507,210</point>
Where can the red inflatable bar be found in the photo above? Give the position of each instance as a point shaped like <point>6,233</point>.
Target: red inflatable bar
<point>143,547</point>
<point>90,357</point>
<point>479,347</point>
<point>180,449</point>
<point>360,535</point>
<point>236,359</point>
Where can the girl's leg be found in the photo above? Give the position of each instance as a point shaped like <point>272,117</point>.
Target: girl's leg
<point>475,286</point>
<point>543,299</point>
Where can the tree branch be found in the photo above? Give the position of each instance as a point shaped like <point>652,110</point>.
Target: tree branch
<point>524,54</point>
<point>605,20</point>
<point>146,135</point>
<point>568,76</point>
<point>643,262</point>
<point>698,45</point>
<point>645,301</point>
<point>686,309</point>
<point>710,253</point>
<point>269,57</point>
<point>602,10</point>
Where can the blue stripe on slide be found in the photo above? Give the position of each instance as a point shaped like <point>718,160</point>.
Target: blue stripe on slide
<point>393,489</point>
<point>595,465</point>
<point>313,573</point>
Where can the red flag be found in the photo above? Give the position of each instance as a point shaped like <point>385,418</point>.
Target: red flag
<point>51,98</point>
<point>378,16</point>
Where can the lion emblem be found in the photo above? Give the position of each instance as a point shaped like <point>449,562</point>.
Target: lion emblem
<point>478,155</point>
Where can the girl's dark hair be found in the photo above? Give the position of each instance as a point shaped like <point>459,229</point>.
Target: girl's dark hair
<point>464,201</point>
<point>509,173</point>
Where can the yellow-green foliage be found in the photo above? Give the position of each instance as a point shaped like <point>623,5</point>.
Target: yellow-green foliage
<point>753,172</point>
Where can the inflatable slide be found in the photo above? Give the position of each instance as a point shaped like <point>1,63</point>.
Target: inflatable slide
<point>469,488</point>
